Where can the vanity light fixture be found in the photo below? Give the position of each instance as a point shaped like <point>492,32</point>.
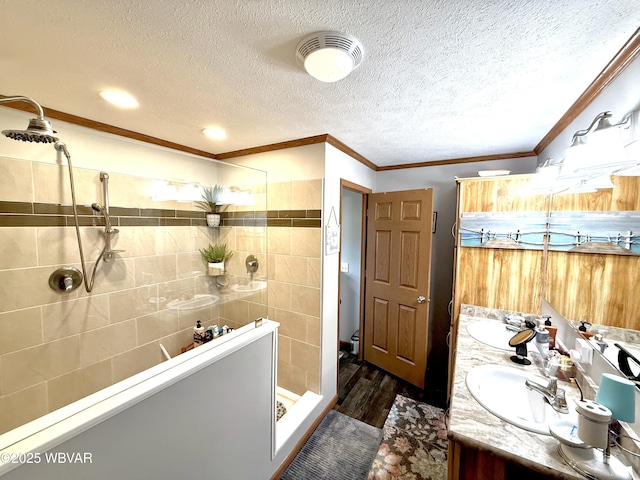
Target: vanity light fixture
<point>215,133</point>
<point>545,179</point>
<point>597,150</point>
<point>329,56</point>
<point>594,155</point>
<point>119,98</point>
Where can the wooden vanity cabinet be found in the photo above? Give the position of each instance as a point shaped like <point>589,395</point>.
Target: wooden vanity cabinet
<point>466,463</point>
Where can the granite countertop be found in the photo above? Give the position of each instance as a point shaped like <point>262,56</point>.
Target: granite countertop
<point>475,427</point>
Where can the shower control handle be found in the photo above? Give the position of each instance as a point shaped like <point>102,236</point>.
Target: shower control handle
<point>251,262</point>
<point>68,284</point>
<point>65,279</point>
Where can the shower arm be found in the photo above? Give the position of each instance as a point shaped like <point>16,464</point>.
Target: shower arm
<point>27,100</point>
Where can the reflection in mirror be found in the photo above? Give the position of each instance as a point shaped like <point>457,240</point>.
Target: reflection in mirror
<point>619,346</point>
<point>598,285</point>
<point>628,362</point>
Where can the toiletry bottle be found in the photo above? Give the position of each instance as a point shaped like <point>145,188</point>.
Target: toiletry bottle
<point>208,336</point>
<point>542,340</point>
<point>198,334</point>
<point>583,329</point>
<point>600,342</point>
<point>552,331</point>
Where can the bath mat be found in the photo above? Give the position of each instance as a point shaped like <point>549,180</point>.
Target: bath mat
<point>341,448</point>
<point>414,443</point>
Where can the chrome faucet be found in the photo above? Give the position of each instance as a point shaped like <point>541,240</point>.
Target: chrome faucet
<point>551,393</point>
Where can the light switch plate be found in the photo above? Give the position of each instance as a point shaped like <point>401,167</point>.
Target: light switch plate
<point>344,267</point>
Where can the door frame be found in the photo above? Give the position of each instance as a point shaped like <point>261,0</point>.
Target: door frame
<point>364,191</point>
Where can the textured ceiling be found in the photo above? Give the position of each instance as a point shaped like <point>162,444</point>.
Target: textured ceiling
<point>440,79</point>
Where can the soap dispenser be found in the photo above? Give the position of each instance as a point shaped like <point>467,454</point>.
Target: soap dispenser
<point>198,334</point>
<point>542,340</point>
<point>552,331</point>
<point>583,329</point>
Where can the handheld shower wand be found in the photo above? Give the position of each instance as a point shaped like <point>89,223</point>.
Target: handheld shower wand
<point>88,284</point>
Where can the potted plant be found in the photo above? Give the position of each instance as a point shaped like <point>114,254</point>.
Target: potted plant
<point>211,204</point>
<point>216,256</point>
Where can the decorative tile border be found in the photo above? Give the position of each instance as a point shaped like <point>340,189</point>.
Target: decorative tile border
<point>25,214</point>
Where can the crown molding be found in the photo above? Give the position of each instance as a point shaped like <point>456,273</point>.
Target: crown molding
<point>274,146</point>
<point>482,158</point>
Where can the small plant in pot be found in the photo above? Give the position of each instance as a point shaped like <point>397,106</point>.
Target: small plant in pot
<point>216,256</point>
<point>211,204</point>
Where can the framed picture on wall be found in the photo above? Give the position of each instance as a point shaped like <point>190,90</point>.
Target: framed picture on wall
<point>332,239</point>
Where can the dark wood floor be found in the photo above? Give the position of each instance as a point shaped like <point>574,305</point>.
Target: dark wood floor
<point>366,393</point>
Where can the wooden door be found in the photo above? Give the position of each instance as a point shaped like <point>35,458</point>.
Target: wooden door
<point>398,266</point>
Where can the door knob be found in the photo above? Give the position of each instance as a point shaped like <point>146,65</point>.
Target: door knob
<point>421,299</point>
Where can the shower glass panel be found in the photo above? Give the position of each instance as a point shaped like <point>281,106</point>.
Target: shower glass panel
<point>58,347</point>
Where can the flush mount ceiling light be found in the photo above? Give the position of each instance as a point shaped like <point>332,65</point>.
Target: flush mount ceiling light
<point>119,98</point>
<point>329,56</point>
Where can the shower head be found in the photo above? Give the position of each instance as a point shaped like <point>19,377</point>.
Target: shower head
<point>104,212</point>
<point>39,129</point>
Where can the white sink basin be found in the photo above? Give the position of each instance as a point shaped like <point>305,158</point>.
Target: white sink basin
<point>198,301</point>
<point>252,286</point>
<point>501,390</point>
<point>492,333</point>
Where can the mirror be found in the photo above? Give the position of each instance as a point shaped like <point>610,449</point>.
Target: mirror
<point>597,282</point>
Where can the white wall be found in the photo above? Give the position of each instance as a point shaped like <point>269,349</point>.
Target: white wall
<point>298,163</point>
<point>338,165</point>
<point>350,281</point>
<point>442,180</point>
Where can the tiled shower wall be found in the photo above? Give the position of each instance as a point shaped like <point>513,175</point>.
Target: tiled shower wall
<point>56,348</point>
<point>295,249</point>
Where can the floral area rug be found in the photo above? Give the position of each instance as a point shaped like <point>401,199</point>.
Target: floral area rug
<point>414,443</point>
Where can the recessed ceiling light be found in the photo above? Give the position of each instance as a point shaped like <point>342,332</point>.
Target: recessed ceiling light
<point>119,98</point>
<point>215,133</point>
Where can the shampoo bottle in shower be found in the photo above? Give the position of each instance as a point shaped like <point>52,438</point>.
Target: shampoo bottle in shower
<point>198,334</point>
